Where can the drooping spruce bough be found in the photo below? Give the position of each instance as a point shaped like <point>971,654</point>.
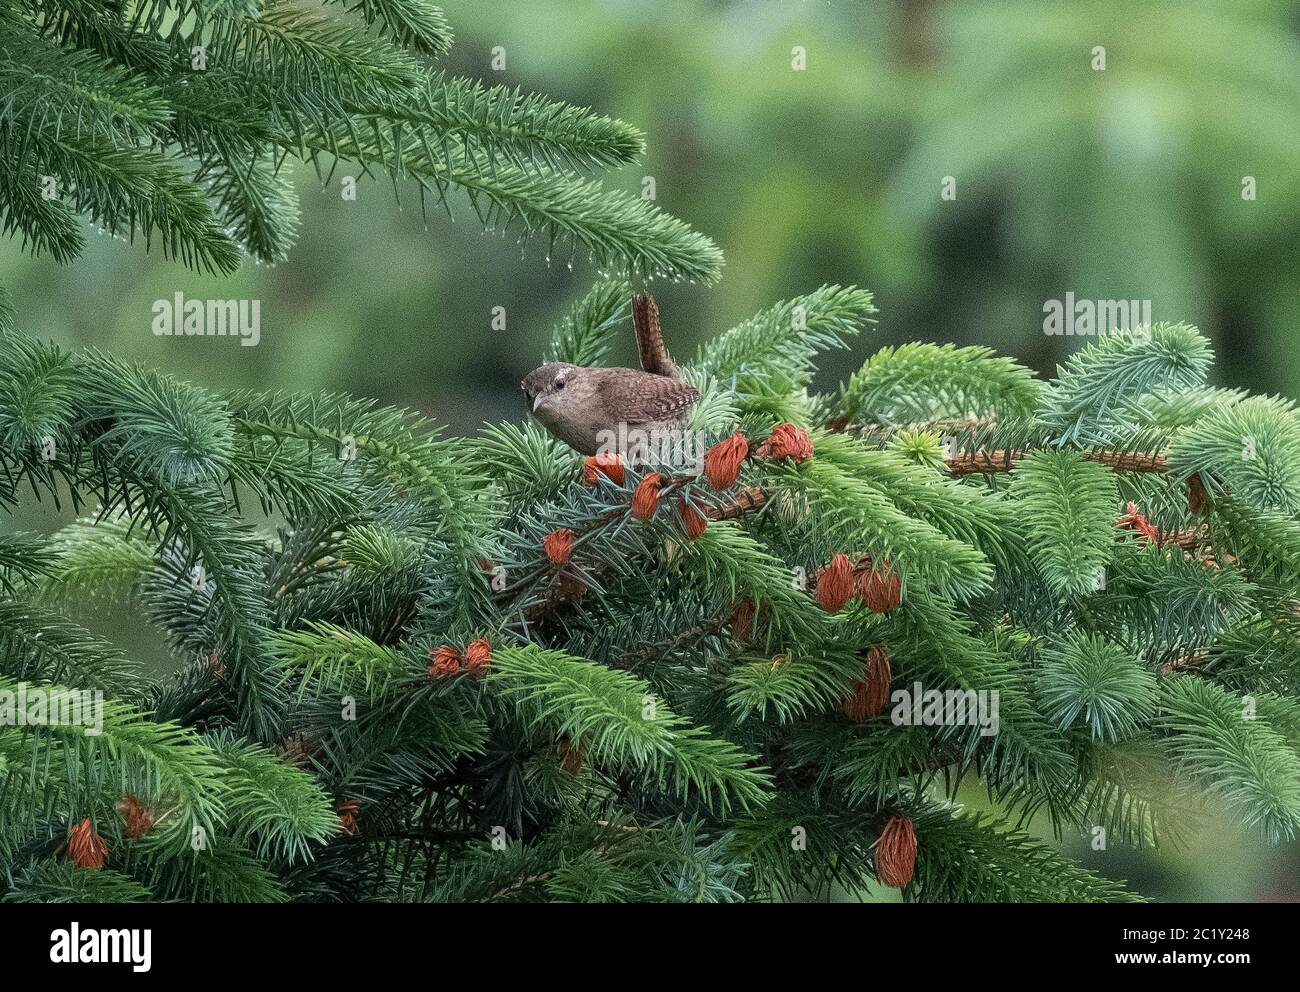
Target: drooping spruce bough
<point>175,123</point>
<point>412,691</point>
<point>460,669</point>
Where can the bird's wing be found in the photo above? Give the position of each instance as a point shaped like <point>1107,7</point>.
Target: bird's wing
<point>642,397</point>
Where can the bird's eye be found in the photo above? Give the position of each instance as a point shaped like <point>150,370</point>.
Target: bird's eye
<point>559,383</point>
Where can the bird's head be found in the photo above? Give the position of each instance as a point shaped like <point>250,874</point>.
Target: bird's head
<point>549,386</point>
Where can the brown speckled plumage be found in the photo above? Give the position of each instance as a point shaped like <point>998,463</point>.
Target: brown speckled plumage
<point>576,403</point>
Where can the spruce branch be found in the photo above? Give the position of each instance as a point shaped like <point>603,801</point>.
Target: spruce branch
<point>172,123</point>
<point>651,684</point>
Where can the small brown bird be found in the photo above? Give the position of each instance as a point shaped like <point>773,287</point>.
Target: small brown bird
<point>584,406</point>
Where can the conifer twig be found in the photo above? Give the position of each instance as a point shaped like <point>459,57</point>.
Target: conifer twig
<point>1003,460</point>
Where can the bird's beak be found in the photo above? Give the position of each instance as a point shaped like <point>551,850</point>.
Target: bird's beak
<point>537,401</point>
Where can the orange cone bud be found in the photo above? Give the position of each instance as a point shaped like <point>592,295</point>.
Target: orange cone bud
<point>835,584</point>
<point>722,462</point>
<point>558,545</point>
<point>645,498</point>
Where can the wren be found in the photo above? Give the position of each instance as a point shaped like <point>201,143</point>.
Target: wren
<point>584,406</point>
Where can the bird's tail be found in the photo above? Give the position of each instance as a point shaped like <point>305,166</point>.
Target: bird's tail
<point>650,339</point>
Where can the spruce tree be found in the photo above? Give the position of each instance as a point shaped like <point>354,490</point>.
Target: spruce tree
<point>487,669</point>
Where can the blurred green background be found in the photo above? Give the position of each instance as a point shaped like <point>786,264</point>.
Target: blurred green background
<point>1123,183</point>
